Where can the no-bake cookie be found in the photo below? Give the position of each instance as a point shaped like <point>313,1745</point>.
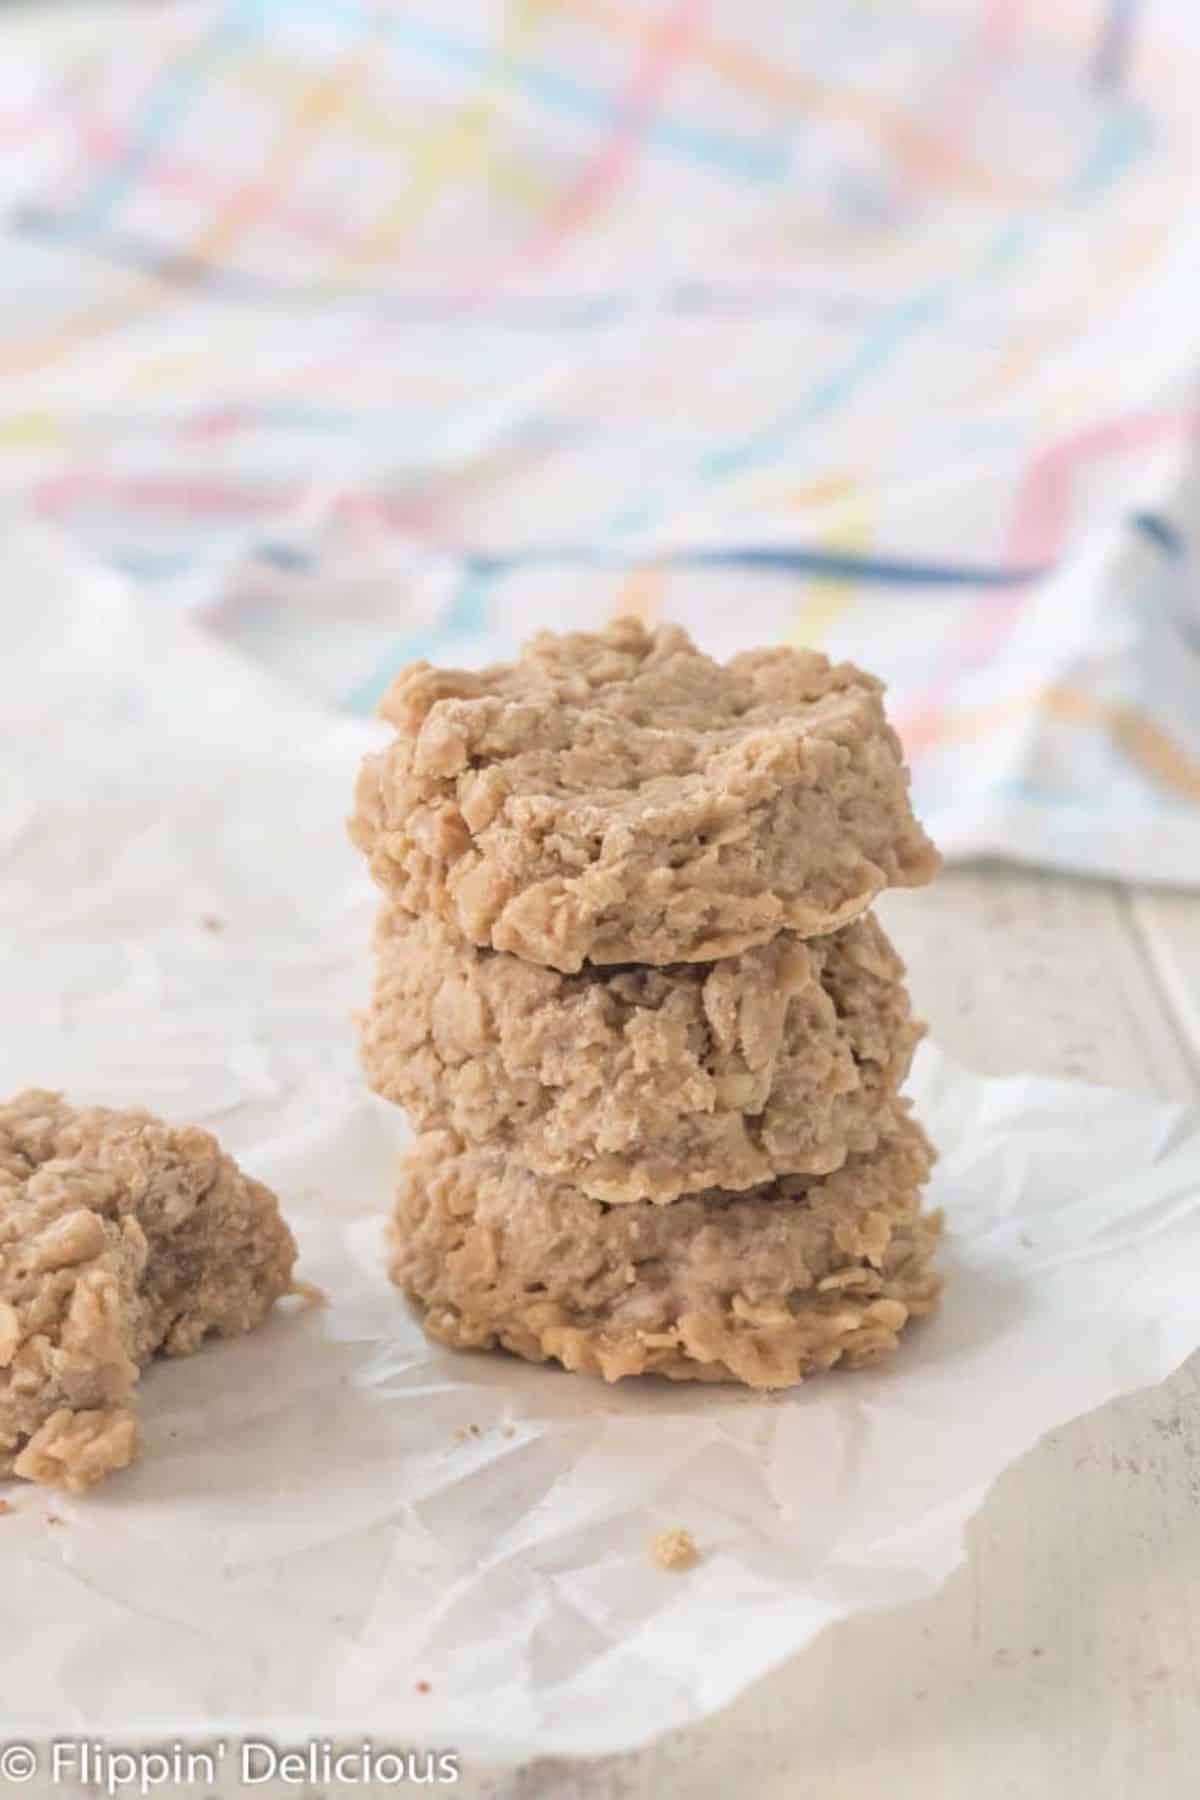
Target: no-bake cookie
<point>620,797</point>
<point>761,1287</point>
<point>644,1082</point>
<point>121,1238</point>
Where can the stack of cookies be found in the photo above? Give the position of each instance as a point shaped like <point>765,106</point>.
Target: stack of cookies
<point>629,988</point>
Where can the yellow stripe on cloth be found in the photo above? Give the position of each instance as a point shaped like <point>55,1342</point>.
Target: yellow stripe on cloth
<point>827,597</point>
<point>1152,749</point>
<point>455,149</point>
<point>513,177</point>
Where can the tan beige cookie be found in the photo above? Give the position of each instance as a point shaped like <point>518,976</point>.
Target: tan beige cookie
<point>645,1083</point>
<point>120,1238</point>
<point>760,1287</point>
<point>622,798</point>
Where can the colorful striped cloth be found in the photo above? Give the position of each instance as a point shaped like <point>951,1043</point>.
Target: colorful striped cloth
<point>369,331</point>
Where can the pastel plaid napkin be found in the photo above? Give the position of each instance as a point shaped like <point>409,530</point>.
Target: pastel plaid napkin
<point>369,331</point>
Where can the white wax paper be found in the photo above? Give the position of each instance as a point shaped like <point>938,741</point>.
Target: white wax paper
<point>333,1511</point>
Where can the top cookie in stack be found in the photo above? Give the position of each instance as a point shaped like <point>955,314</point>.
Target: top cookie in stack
<point>623,963</point>
<point>621,798</point>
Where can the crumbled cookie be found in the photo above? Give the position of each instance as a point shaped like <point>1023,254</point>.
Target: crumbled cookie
<point>761,1287</point>
<point>645,1083</point>
<point>620,797</point>
<point>120,1238</point>
<point>676,1549</point>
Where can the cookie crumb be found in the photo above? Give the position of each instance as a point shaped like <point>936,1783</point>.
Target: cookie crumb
<point>53,1519</point>
<point>423,1687</point>
<point>210,922</point>
<point>309,1292</point>
<point>510,1431</point>
<point>475,1430</point>
<point>5,1507</point>
<point>676,1549</point>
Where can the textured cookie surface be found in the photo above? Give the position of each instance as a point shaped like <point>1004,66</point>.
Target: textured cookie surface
<point>620,797</point>
<point>120,1238</point>
<point>647,1082</point>
<point>761,1287</point>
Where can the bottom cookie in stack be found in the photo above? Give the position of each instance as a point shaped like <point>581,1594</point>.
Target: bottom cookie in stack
<point>763,1286</point>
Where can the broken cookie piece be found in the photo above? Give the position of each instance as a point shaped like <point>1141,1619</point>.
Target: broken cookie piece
<point>762,1287</point>
<point>676,1549</point>
<point>121,1238</point>
<point>641,1082</point>
<point>619,797</point>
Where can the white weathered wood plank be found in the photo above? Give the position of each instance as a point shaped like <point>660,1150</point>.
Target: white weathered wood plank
<point>1022,970</point>
<point>1168,925</point>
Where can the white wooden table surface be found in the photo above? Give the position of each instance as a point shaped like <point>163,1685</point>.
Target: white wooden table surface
<point>1064,1656</point>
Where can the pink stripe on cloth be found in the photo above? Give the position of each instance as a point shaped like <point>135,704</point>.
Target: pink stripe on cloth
<point>605,171</point>
<point>180,175</point>
<point>16,126</point>
<point>1040,523</point>
<point>1000,31</point>
<point>1036,540</point>
<point>200,497</point>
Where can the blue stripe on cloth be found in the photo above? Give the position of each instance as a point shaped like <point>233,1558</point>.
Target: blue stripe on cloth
<point>480,571</point>
<point>558,92</point>
<point>888,571</point>
<point>1161,532</point>
<point>1125,135</point>
<point>183,83</point>
<point>1174,591</point>
<point>463,617</point>
<point>152,565</point>
<point>1111,58</point>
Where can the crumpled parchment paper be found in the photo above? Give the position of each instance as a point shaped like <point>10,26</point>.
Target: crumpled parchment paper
<point>333,1511</point>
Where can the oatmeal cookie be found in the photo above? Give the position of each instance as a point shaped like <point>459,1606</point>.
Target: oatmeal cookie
<point>645,1083</point>
<point>120,1238</point>
<point>761,1287</point>
<point>620,797</point>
